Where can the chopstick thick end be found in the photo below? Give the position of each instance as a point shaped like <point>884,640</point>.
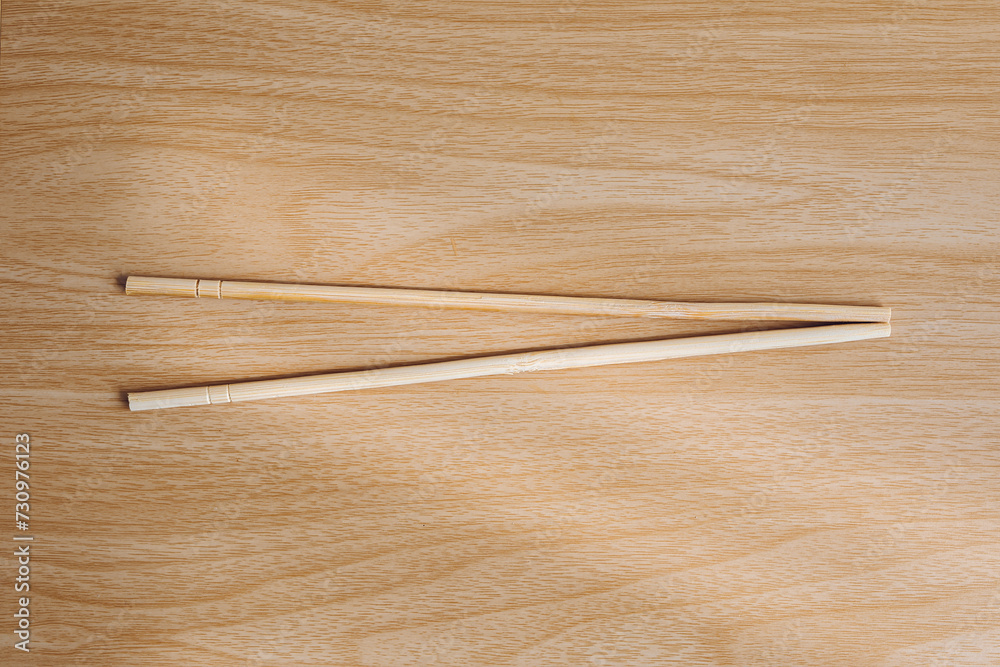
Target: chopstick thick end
<point>147,286</point>
<point>178,398</point>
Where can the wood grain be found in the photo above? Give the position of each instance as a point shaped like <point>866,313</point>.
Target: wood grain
<point>825,506</point>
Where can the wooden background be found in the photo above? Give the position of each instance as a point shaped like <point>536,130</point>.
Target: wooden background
<point>826,506</point>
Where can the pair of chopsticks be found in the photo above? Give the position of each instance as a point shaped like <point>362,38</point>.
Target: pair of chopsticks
<point>868,322</point>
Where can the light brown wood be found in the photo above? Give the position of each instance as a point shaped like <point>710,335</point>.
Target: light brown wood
<point>819,506</point>
<point>526,303</point>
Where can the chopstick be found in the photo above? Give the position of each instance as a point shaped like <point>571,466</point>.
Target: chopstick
<point>528,303</point>
<point>576,357</point>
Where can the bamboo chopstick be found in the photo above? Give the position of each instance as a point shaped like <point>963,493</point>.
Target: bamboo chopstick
<point>237,289</point>
<point>577,357</point>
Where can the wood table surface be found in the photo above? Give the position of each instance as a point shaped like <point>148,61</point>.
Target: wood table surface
<point>835,505</point>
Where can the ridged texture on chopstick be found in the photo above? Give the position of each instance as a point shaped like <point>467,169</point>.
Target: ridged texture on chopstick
<point>576,357</point>
<point>530,303</point>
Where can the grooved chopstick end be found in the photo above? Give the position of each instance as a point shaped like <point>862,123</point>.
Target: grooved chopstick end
<point>169,398</point>
<point>147,286</point>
